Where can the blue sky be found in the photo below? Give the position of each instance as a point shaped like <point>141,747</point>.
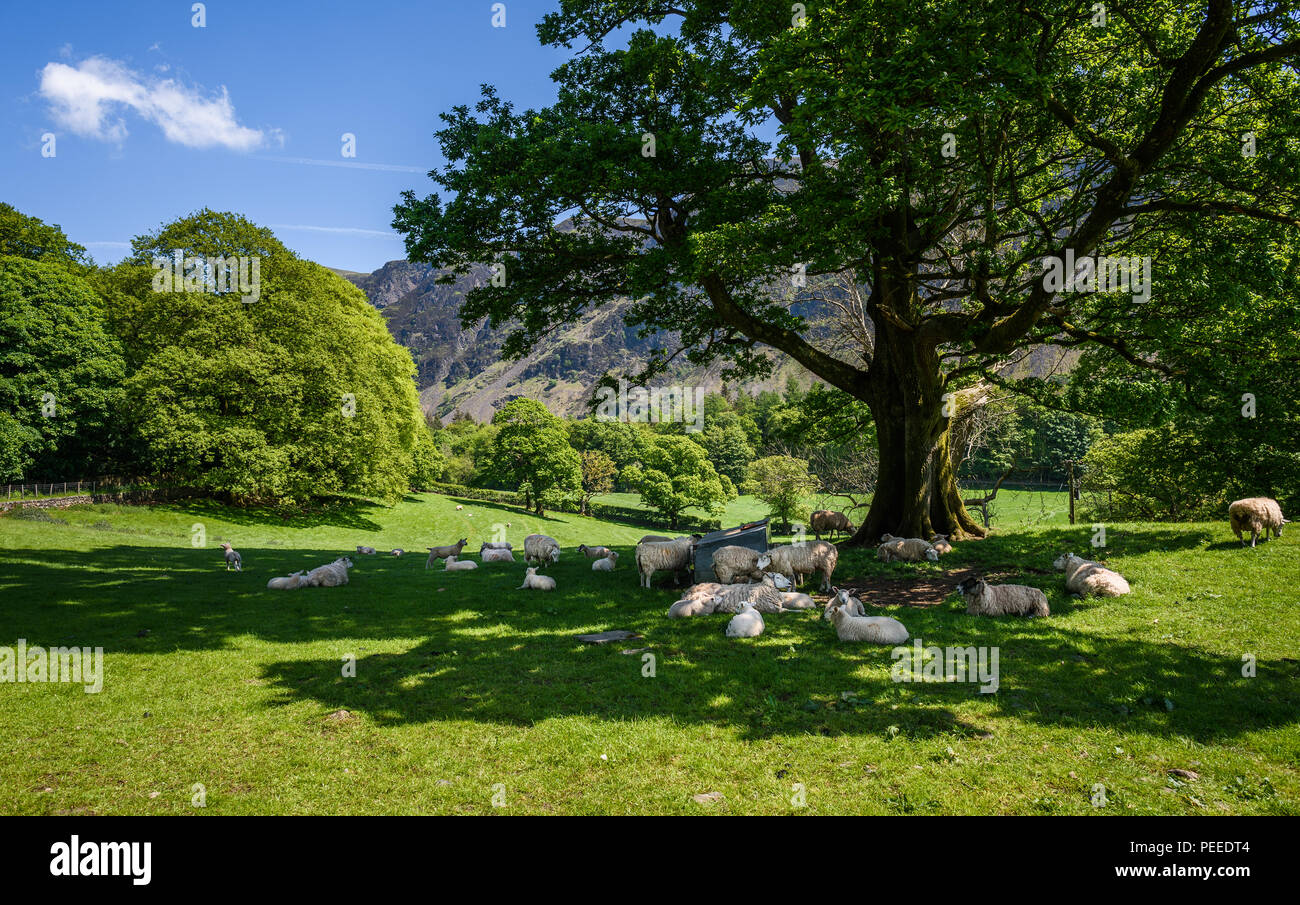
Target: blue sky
<point>154,118</point>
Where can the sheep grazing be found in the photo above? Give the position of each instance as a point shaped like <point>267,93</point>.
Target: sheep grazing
<point>593,552</point>
<point>871,629</point>
<point>761,596</point>
<point>329,575</point>
<point>233,558</point>
<point>495,555</point>
<point>1259,515</point>
<point>845,600</point>
<point>984,599</point>
<point>940,544</point>
<point>437,553</point>
<point>829,522</point>
<point>287,583</point>
<point>699,599</point>
<point>541,550</point>
<point>905,549</point>
<point>1087,578</point>
<point>606,563</point>
<point>451,565</point>
<point>734,563</point>
<point>797,560</point>
<point>654,539</point>
<point>748,623</point>
<point>367,551</point>
<point>535,582</point>
<point>670,556</point>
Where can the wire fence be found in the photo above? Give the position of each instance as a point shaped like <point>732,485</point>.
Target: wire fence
<point>39,490</point>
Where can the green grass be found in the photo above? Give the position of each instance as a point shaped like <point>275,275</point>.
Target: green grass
<point>465,685</point>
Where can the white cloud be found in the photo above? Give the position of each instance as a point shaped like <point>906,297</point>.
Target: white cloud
<point>91,99</point>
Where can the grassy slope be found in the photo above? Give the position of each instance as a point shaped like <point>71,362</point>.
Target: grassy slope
<point>460,689</point>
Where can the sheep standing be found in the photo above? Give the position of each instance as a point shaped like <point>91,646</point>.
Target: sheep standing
<point>871,629</point>
<point>232,558</point>
<point>1259,515</point>
<point>734,563</point>
<point>287,583</point>
<point>748,623</point>
<point>830,522</point>
<point>330,575</point>
<point>983,599</point>
<point>905,549</point>
<point>797,560</point>
<point>673,556</point>
<point>940,544</point>
<point>605,563</point>
<point>437,553</point>
<point>451,565</point>
<point>491,555</point>
<point>1085,577</point>
<point>540,550</point>
<point>593,552</point>
<point>535,582</point>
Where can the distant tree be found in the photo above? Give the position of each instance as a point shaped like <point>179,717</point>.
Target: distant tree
<point>619,440</point>
<point>728,449</point>
<point>598,471</point>
<point>531,452</point>
<point>427,461</point>
<point>676,474</point>
<point>782,482</point>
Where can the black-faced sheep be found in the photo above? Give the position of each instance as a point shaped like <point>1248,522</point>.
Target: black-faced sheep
<point>984,599</point>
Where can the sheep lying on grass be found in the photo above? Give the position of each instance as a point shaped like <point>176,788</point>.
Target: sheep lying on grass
<point>798,560</point>
<point>871,629</point>
<point>233,559</point>
<point>1087,578</point>
<point>398,551</point>
<point>698,600</point>
<point>1258,515</point>
<point>761,596</point>
<point>451,565</point>
<point>940,544</point>
<point>593,552</point>
<point>842,598</point>
<point>535,582</point>
<point>673,556</point>
<point>287,583</point>
<point>825,521</point>
<point>329,575</point>
<point>605,563</point>
<point>437,553</point>
<point>733,563</point>
<point>793,600</point>
<point>984,599</point>
<point>366,551</point>
<point>905,549</point>
<point>494,545</point>
<point>748,623</point>
<point>491,555</point>
<point>541,550</point>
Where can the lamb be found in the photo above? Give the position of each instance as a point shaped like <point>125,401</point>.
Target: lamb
<point>846,600</point>
<point>540,549</point>
<point>762,597</point>
<point>398,551</point>
<point>1258,514</point>
<point>329,575</point>
<point>287,583</point>
<point>792,600</point>
<point>233,558</point>
<point>983,599</point>
<point>593,552</point>
<point>735,563</point>
<point>748,623</point>
<point>368,551</point>
<point>940,544</point>
<point>451,565</point>
<point>436,553</point>
<point>535,582</point>
<point>796,560</point>
<point>673,556</point>
<point>605,564</point>
<point>905,549</point>
<point>871,629</point>
<point>1085,577</point>
<point>825,520</point>
<point>496,555</point>
<point>699,599</point>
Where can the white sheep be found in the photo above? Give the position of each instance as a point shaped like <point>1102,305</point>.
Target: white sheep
<point>606,563</point>
<point>450,564</point>
<point>494,545</point>
<point>367,551</point>
<point>491,555</point>
<point>872,629</point>
<point>535,582</point>
<point>905,549</point>
<point>735,563</point>
<point>792,600</point>
<point>398,551</point>
<point>672,556</point>
<point>459,507</point>
<point>1257,514</point>
<point>287,583</point>
<point>941,544</point>
<point>1085,577</point>
<point>329,575</point>
<point>699,599</point>
<point>843,598</point>
<point>797,560</point>
<point>232,558</point>
<point>761,596</point>
<point>541,550</point>
<point>748,623</point>
<point>984,599</point>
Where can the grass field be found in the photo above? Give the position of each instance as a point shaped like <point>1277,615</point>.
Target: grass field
<point>468,690</point>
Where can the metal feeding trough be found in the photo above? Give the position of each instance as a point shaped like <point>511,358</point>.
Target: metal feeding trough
<point>752,535</point>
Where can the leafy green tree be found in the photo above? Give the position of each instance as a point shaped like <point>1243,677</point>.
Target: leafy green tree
<point>531,452</point>
<point>598,471</point>
<point>427,461</point>
<point>1152,474</point>
<point>60,374</point>
<point>728,449</point>
<point>23,236</point>
<point>938,160</point>
<point>783,482</point>
<point>675,475</point>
